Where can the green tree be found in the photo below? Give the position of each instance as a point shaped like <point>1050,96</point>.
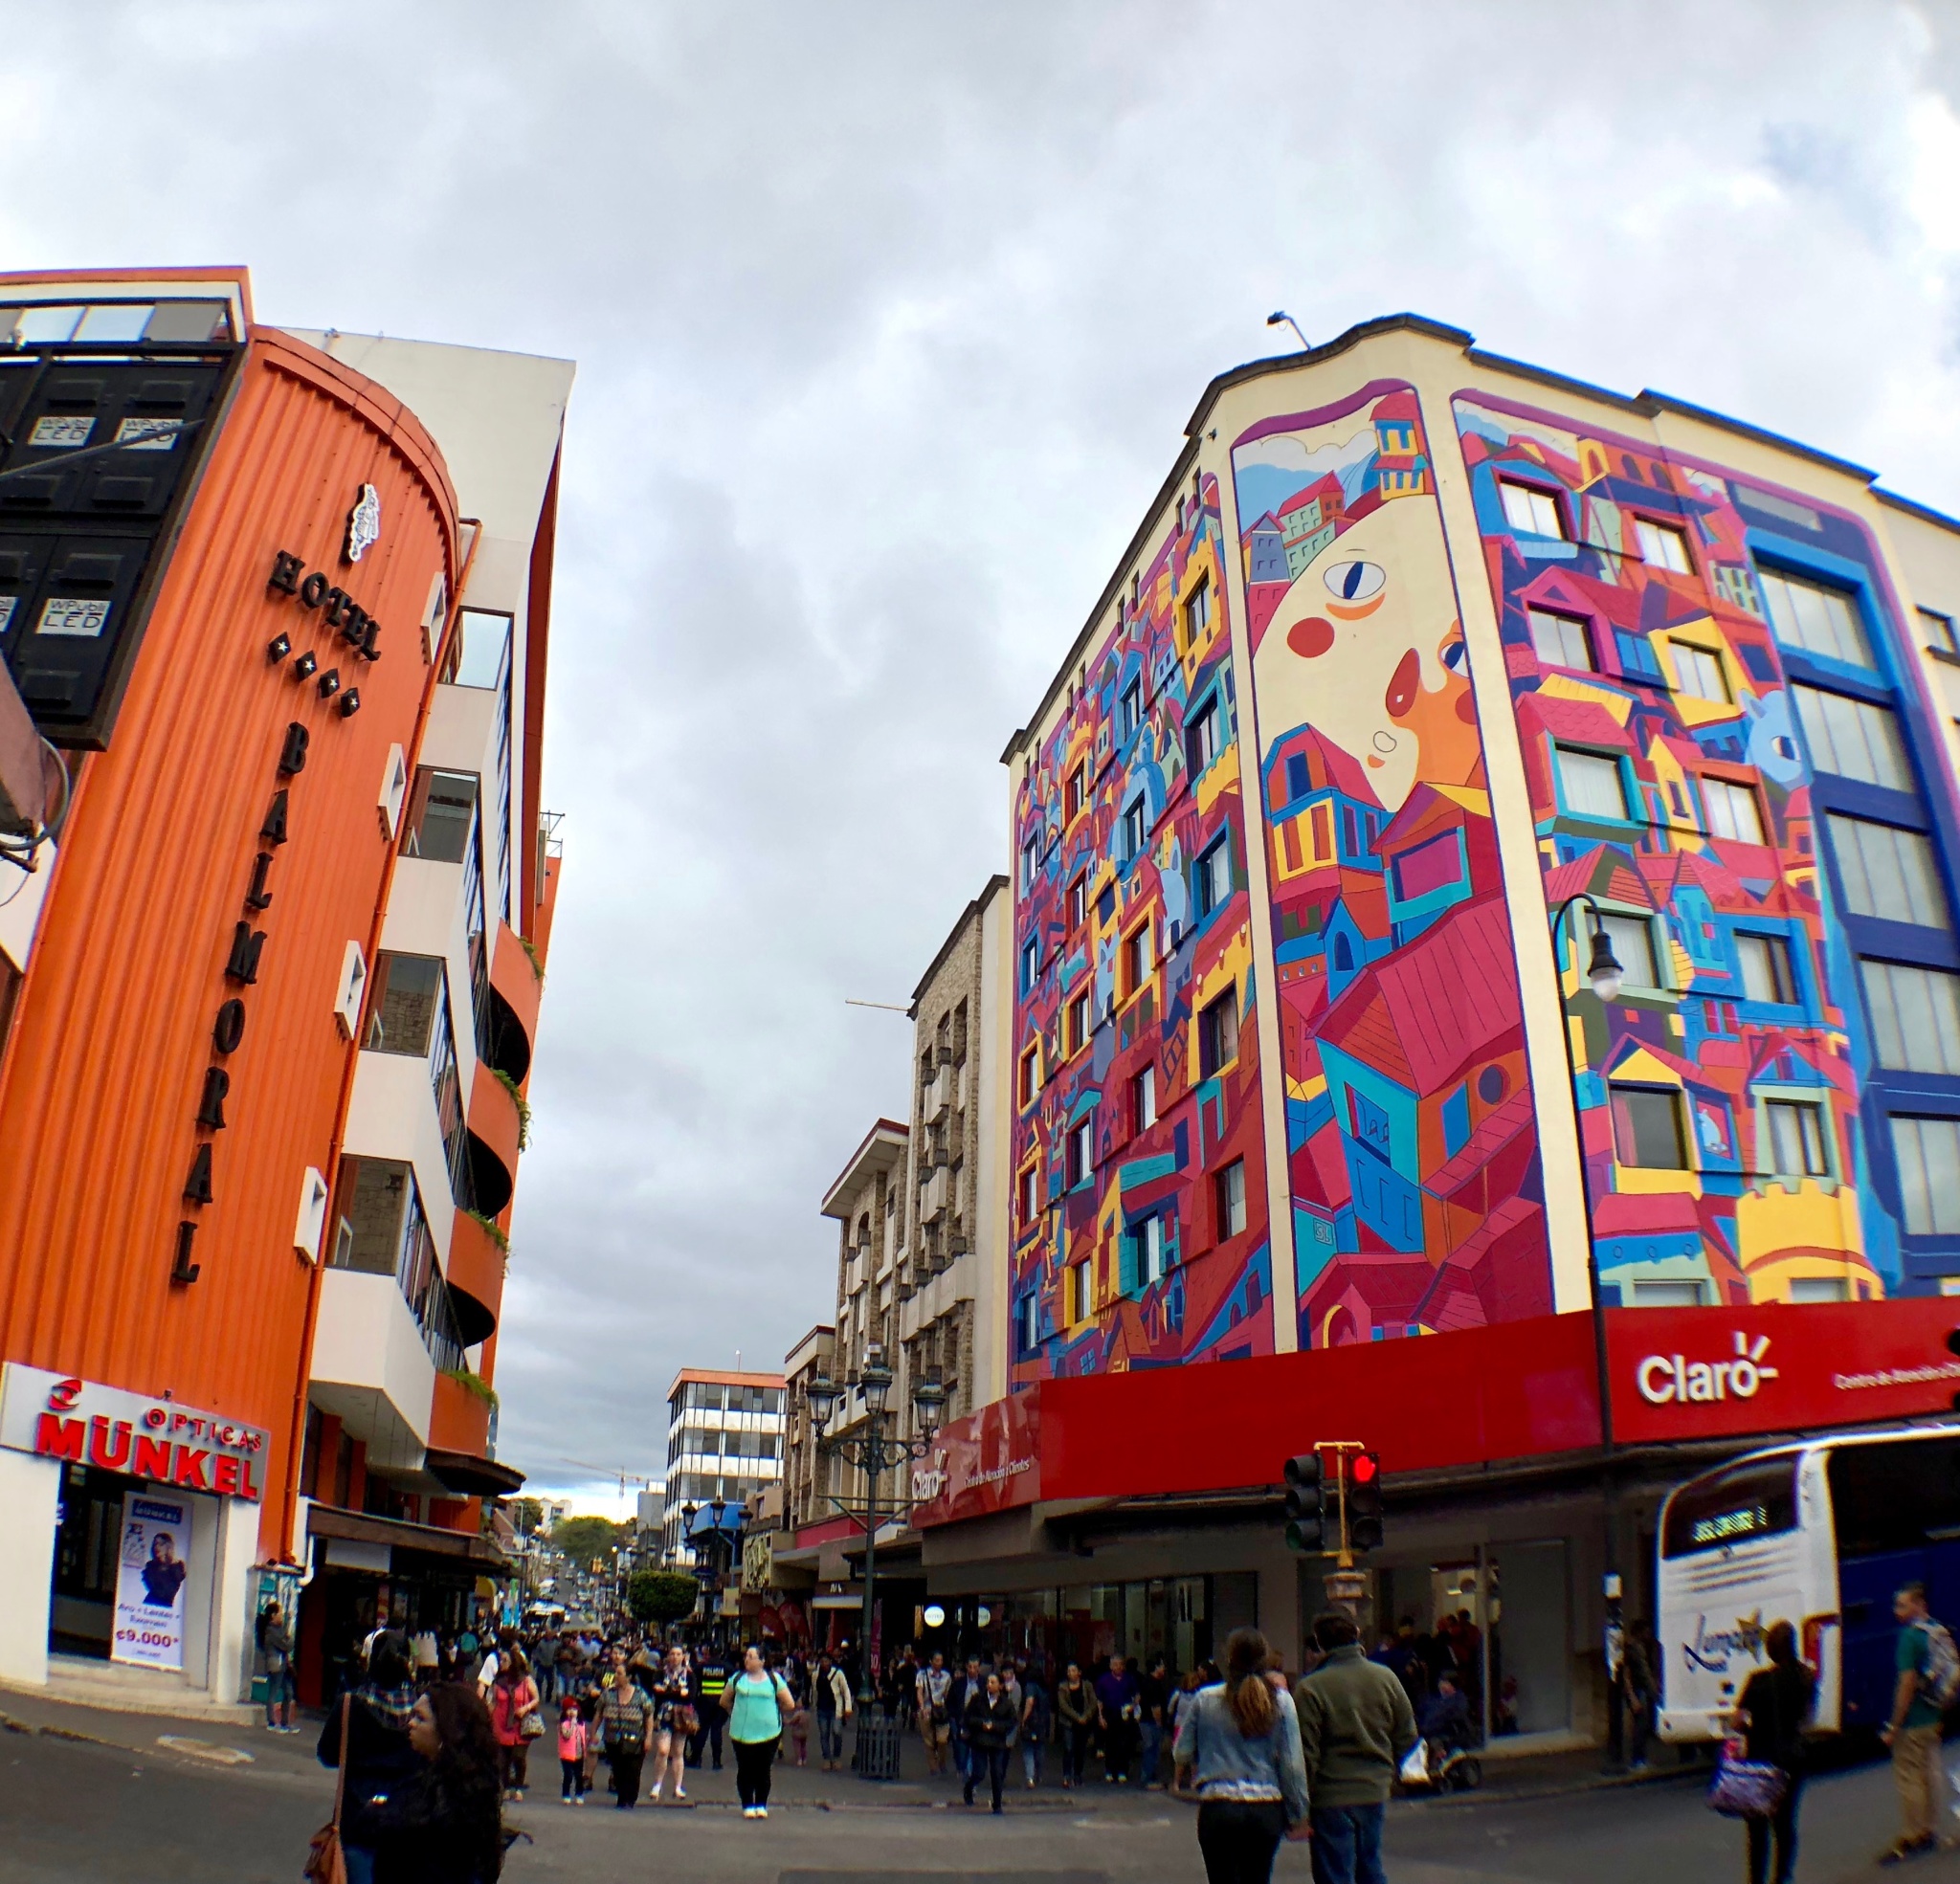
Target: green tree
<point>581,1540</point>
<point>661,1596</point>
<point>526,1514</point>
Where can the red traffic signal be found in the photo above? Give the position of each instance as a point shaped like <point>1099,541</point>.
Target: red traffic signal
<point>1367,1468</point>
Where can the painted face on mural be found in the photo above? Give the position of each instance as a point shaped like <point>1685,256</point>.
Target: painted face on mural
<point>1365,648</point>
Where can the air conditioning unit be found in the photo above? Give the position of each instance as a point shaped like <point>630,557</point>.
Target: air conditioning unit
<point>944,1053</point>
<point>957,1245</point>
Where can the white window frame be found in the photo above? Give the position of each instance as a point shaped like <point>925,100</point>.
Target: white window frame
<point>1533,507</point>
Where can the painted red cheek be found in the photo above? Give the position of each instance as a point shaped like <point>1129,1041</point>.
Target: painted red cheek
<point>1402,685</point>
<point>1310,637</point>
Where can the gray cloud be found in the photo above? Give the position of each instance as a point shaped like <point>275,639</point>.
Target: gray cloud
<point>888,318</point>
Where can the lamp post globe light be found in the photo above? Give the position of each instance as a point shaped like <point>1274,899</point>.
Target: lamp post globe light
<point>877,1453</point>
<point>1606,976</point>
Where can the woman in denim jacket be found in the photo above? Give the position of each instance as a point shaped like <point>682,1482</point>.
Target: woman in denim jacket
<point>1237,1751</point>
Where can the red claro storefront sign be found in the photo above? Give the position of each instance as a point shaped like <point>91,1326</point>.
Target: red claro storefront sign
<point>60,1417</point>
<point>1690,1372</point>
<point>989,1461</point>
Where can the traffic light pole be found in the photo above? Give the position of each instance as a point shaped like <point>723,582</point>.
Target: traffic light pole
<point>1347,1586</point>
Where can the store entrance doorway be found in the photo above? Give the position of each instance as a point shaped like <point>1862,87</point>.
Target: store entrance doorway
<point>89,1529</point>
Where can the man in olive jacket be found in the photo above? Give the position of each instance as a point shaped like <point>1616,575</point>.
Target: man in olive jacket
<point>1356,1727</point>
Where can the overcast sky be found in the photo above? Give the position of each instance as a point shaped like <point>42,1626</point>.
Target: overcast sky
<point>888,320</point>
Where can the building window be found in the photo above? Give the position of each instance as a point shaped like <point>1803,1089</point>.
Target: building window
<point>1915,1017</point>
<point>1929,1155</point>
<point>1079,902</point>
<point>1669,1294</point>
<point>1229,1194</point>
<point>1796,1139</point>
<point>1561,640</point>
<point>1198,611</point>
<point>1081,1150</point>
<point>1852,739</point>
<point>1129,709</point>
<point>1815,619</point>
<point>1080,1293</point>
<point>1697,672</point>
<point>1148,1241</point>
<point>1214,874</point>
<point>1218,1035</point>
<point>1646,1128</point>
<point>402,1008</point>
<point>1632,944</point>
<point>1592,785</point>
<point>1077,791</point>
<point>1663,545</point>
<point>1530,511</point>
<point>1030,1074</point>
<point>1029,857</point>
<point>1030,1195</point>
<point>1939,631</point>
<point>1031,962</point>
<point>1888,874</point>
<point>1766,974</point>
<point>1079,1023</point>
<point>1027,1311</point>
<point>1143,1099</point>
<point>1733,811</point>
<point>442,816</point>
<point>1201,738</point>
<point>1133,828</point>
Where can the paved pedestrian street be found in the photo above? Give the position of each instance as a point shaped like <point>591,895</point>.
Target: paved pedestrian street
<point>119,1809</point>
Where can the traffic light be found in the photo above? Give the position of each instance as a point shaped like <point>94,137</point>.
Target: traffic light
<point>1306,1503</point>
<point>1365,1502</point>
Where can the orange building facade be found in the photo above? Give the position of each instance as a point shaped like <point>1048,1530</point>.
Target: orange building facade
<point>278,729</point>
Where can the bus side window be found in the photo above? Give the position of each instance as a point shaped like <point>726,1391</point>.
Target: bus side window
<point>1894,1495</point>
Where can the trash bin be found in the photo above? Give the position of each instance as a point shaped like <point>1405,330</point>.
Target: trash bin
<point>876,1754</point>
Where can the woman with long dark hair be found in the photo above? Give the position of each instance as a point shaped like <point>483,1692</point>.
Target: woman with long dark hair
<point>445,1825</point>
<point>1239,1753</point>
<point>379,1757</point>
<point>1773,1713</point>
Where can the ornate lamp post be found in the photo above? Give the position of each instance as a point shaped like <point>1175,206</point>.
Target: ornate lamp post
<point>876,1453</point>
<point>1606,976</point>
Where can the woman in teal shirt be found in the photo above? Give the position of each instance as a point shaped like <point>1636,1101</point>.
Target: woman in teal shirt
<point>756,1700</point>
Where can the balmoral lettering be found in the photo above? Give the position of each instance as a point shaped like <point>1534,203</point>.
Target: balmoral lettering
<point>338,609</point>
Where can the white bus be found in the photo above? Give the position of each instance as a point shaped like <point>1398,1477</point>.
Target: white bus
<point>1818,1534</point>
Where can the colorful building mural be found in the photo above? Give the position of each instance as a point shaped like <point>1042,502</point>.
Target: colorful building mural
<point>1140,1234</point>
<point>1725,748</point>
<point>1411,1141</point>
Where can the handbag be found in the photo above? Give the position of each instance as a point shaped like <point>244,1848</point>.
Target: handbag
<point>325,1862</point>
<point>533,1725</point>
<point>686,1720</point>
<point>1747,1788</point>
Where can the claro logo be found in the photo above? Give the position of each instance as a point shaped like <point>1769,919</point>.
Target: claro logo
<point>1664,1379</point>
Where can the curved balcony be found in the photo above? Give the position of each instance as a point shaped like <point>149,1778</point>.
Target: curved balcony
<point>512,1000</point>
<point>476,1279</point>
<point>493,1133</point>
<point>458,1420</point>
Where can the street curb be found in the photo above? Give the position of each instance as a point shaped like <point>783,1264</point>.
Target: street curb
<point>1563,1789</point>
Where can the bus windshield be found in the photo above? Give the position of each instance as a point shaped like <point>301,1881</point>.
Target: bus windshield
<point>1754,1499</point>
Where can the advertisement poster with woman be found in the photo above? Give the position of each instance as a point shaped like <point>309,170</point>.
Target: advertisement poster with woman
<point>149,1584</point>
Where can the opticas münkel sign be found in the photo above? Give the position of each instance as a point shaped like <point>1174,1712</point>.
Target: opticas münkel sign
<point>60,1417</point>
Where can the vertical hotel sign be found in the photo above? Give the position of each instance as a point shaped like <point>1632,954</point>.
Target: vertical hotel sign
<point>176,1448</point>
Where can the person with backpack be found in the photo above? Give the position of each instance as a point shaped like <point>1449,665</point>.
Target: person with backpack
<point>1772,1712</point>
<point>276,1644</point>
<point>1929,1682</point>
<point>758,1704</point>
<point>1036,1724</point>
<point>1238,1752</point>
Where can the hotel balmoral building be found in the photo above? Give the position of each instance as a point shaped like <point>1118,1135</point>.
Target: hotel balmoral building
<point>276,895</point>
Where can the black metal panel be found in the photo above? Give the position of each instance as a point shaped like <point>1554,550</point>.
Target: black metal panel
<point>100,453</point>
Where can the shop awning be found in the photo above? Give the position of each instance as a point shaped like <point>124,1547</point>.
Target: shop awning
<point>473,1477</point>
<point>429,1540</point>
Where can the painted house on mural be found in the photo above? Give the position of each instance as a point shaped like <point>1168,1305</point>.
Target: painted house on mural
<point>274,609</point>
<point>1416,645</point>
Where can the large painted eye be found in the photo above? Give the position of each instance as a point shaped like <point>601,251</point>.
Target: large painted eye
<point>1355,582</point>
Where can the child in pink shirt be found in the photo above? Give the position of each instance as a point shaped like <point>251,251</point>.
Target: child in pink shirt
<point>572,1754</point>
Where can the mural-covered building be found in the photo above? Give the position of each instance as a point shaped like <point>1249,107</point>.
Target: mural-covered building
<point>1415,646</point>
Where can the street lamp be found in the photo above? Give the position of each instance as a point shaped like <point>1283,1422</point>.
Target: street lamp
<point>1607,976</point>
<point>876,1453</point>
<point>1281,317</point>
